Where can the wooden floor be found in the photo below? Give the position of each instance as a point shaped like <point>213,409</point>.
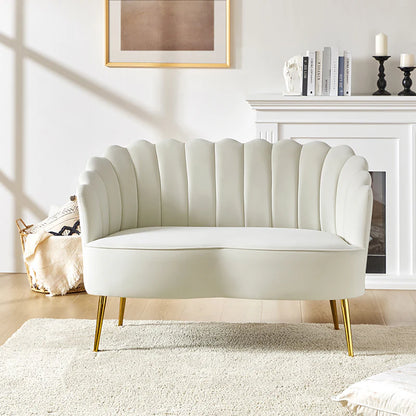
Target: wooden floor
<point>18,304</point>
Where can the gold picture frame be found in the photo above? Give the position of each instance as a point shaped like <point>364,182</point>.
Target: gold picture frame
<point>113,6</point>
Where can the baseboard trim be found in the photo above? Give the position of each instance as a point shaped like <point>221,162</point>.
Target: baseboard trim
<point>390,282</point>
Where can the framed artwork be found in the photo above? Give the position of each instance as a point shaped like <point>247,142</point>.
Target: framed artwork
<point>168,33</point>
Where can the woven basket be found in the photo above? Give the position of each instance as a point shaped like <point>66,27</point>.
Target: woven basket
<point>22,227</point>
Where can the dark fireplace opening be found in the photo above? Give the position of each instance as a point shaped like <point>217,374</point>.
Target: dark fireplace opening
<point>376,260</point>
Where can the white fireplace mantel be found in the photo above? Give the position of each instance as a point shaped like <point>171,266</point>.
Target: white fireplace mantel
<point>353,103</point>
<point>383,130</point>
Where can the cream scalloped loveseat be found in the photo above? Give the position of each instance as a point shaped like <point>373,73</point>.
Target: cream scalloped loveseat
<point>227,219</point>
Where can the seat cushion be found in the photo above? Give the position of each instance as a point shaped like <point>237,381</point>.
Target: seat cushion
<point>244,238</point>
<point>192,262</point>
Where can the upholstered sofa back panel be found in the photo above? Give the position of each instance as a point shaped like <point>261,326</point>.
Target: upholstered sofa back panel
<point>331,170</point>
<point>311,159</point>
<point>228,183</point>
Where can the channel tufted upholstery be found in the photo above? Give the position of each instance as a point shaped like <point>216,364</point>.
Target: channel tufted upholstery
<point>285,221</point>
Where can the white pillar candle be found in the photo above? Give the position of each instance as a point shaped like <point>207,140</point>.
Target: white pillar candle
<point>407,59</point>
<point>381,45</point>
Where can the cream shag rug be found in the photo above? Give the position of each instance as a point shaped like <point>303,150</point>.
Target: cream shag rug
<point>185,368</point>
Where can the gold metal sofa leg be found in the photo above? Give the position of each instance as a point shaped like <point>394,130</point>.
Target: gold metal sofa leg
<point>347,325</point>
<point>333,304</point>
<point>121,311</point>
<point>102,300</point>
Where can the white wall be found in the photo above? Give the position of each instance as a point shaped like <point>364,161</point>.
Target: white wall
<point>59,104</point>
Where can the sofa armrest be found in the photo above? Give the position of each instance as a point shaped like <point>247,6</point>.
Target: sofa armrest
<point>91,223</point>
<point>354,203</point>
<point>99,200</point>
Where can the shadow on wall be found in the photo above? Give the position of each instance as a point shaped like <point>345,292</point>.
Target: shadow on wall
<point>21,200</point>
<point>164,120</point>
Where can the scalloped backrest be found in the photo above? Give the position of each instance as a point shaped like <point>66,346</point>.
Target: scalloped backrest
<point>227,183</point>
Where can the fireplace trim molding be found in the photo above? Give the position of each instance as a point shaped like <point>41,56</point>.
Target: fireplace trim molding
<point>390,118</point>
<point>353,103</point>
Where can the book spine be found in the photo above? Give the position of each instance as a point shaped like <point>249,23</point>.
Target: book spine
<point>311,73</point>
<point>341,75</point>
<point>347,73</point>
<point>305,76</point>
<point>326,70</point>
<point>333,89</point>
<point>318,73</point>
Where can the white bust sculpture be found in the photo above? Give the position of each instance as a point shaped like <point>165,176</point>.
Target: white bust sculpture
<point>292,73</point>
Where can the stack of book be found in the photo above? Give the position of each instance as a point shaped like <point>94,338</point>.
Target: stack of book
<point>326,73</point>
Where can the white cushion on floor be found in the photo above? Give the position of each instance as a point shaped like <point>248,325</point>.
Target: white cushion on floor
<point>390,393</point>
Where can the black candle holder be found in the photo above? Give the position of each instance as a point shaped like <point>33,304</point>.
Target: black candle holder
<point>407,81</point>
<point>381,83</point>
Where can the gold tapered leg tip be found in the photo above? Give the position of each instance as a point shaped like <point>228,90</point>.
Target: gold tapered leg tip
<point>121,311</point>
<point>102,300</point>
<point>347,325</point>
<point>333,304</point>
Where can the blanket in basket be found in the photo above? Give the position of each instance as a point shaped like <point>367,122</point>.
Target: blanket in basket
<point>54,262</point>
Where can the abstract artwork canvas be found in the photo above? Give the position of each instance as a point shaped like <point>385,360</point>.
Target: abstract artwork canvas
<point>163,33</point>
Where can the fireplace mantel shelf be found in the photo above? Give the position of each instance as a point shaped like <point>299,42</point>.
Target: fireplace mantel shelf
<point>270,101</point>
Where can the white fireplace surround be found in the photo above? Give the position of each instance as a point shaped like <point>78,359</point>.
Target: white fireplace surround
<point>383,130</point>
